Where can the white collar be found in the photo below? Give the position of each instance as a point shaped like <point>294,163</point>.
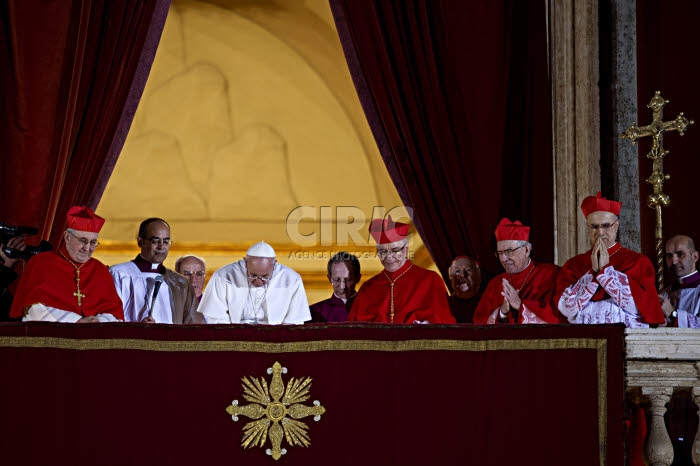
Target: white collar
<point>345,300</point>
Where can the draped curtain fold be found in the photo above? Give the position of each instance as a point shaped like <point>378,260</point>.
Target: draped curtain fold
<point>71,76</point>
<point>457,96</point>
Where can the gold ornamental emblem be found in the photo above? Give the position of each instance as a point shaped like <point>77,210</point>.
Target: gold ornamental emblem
<point>277,410</point>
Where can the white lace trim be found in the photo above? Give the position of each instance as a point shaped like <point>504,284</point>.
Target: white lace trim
<point>577,306</point>
<point>577,296</point>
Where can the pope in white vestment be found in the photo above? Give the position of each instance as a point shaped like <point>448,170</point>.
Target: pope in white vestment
<point>255,290</point>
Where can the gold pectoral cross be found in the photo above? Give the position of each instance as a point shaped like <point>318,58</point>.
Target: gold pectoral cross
<point>77,293</point>
<point>658,198</point>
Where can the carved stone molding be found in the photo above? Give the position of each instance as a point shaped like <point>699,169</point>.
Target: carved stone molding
<point>660,374</point>
<point>673,344</point>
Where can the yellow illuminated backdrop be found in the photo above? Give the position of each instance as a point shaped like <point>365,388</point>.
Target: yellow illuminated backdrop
<point>249,113</point>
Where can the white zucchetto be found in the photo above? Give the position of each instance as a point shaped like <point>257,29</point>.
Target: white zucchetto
<point>261,249</point>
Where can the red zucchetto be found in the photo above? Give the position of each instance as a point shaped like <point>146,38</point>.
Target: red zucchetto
<point>81,218</point>
<point>599,203</point>
<point>507,231</point>
<point>387,231</point>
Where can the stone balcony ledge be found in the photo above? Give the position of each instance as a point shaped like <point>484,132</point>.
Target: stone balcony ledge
<point>660,364</point>
<point>663,344</point>
<point>662,358</point>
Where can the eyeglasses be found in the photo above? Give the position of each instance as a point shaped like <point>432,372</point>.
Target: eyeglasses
<point>602,226</point>
<point>155,241</point>
<point>382,253</point>
<point>199,274</point>
<point>84,241</point>
<point>265,278</point>
<point>465,272</point>
<point>508,252</point>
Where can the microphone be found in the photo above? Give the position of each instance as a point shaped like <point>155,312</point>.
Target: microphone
<point>159,281</point>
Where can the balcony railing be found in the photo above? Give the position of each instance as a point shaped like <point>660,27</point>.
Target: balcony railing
<point>661,363</point>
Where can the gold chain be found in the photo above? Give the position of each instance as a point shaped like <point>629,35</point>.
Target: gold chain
<point>77,293</point>
<point>616,251</point>
<point>391,285</point>
<point>524,281</point>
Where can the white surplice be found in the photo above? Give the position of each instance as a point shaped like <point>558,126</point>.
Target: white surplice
<point>135,288</point>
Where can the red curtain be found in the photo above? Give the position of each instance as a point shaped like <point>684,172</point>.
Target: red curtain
<point>457,95</point>
<point>668,61</point>
<point>71,76</point>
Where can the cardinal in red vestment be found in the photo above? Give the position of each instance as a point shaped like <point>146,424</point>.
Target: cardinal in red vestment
<point>525,292</point>
<point>68,285</point>
<point>608,283</point>
<point>402,293</point>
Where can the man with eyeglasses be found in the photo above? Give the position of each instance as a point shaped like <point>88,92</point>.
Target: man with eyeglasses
<point>193,268</point>
<point>343,274</point>
<point>68,285</point>
<point>255,290</point>
<point>524,294</point>
<point>681,300</point>
<point>608,283</point>
<point>402,293</point>
<point>152,293</point>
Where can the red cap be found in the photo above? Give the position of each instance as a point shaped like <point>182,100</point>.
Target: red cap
<point>82,218</point>
<point>388,231</point>
<point>599,203</point>
<point>507,231</point>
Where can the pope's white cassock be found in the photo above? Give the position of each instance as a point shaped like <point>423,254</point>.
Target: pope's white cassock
<point>230,299</point>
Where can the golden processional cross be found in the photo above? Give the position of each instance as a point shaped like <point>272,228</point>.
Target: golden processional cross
<point>658,199</point>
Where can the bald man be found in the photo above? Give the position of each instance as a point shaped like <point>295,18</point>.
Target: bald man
<point>194,269</point>
<point>465,278</point>
<point>680,301</point>
<point>152,293</point>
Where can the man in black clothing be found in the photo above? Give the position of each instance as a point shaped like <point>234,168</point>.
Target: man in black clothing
<point>7,276</point>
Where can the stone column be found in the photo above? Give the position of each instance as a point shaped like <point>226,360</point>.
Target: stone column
<point>659,446</point>
<point>696,443</point>
<point>623,160</point>
<point>575,119</point>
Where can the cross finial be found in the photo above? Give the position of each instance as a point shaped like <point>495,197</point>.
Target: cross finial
<point>658,198</point>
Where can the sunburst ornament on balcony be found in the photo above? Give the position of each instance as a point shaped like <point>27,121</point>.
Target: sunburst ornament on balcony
<point>279,407</point>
